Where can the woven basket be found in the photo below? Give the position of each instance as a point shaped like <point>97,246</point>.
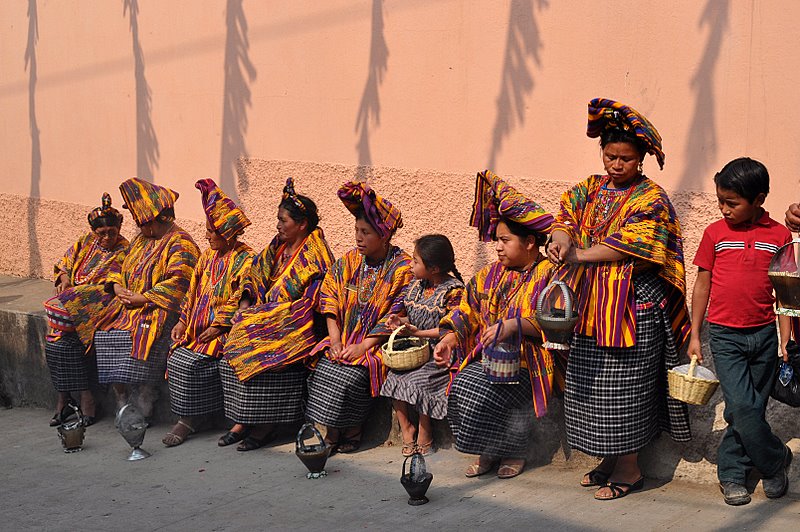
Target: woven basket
<point>689,388</point>
<point>405,354</point>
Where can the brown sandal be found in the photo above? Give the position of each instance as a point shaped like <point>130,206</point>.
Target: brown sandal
<point>408,449</point>
<point>510,470</point>
<point>425,449</point>
<point>172,439</point>
<point>477,469</point>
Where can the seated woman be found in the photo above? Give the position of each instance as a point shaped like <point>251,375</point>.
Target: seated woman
<point>80,275</point>
<point>133,336</point>
<point>432,294</point>
<point>491,420</point>
<point>358,294</point>
<point>195,388</point>
<point>264,371</point>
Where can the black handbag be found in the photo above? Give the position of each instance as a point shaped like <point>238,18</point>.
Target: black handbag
<point>787,390</point>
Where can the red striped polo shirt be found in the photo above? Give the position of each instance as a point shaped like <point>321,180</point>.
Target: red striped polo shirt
<point>738,258</point>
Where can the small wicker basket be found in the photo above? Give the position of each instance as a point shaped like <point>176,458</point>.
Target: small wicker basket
<point>689,388</point>
<point>407,353</point>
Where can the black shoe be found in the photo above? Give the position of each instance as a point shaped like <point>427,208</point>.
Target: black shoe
<point>735,494</point>
<point>230,438</point>
<point>777,485</point>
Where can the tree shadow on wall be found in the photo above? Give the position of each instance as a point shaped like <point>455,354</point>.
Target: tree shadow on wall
<point>369,110</point>
<point>34,254</point>
<point>523,45</point>
<point>147,153</point>
<point>701,141</point>
<point>239,73</point>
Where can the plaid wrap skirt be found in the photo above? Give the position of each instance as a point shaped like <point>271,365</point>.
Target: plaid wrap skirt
<point>269,397</point>
<point>491,419</point>
<point>338,395</point>
<point>615,401</point>
<point>424,388</point>
<point>195,388</point>
<point>71,369</point>
<point>116,365</point>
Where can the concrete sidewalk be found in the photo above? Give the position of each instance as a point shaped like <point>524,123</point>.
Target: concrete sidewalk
<point>199,486</point>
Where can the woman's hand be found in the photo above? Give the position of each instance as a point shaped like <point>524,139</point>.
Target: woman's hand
<point>793,217</point>
<point>443,352</point>
<point>335,350</point>
<point>209,334</point>
<point>784,352</point>
<point>62,283</point>
<point>559,247</point>
<point>507,328</point>
<point>393,321</point>
<point>694,349</point>
<point>178,331</point>
<point>353,352</point>
<point>129,298</point>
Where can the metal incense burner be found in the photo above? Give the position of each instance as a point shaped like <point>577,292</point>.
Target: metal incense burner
<point>417,481</point>
<point>556,315</point>
<point>72,430</point>
<point>131,425</point>
<point>313,456</point>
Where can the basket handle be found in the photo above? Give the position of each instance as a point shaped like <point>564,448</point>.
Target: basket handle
<point>300,444</point>
<point>692,366</point>
<point>391,338</point>
<point>568,309</point>
<point>519,330</point>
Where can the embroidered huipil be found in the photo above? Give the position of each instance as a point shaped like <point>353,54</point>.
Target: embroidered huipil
<point>161,271</point>
<point>213,296</point>
<point>641,222</point>
<point>496,293</point>
<point>361,297</point>
<point>278,329</point>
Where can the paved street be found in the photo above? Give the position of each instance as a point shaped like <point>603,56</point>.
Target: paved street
<point>199,486</point>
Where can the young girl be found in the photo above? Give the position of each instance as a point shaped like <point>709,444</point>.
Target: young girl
<point>431,295</point>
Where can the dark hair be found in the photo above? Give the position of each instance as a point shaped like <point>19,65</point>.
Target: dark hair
<point>521,231</point>
<point>614,134</point>
<point>744,176</point>
<point>311,215</point>
<point>361,214</point>
<point>436,251</point>
<point>109,220</point>
<point>166,216</point>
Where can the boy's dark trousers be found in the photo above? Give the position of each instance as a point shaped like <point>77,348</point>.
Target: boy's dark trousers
<point>746,361</point>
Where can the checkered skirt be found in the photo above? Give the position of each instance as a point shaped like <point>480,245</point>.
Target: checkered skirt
<point>615,400</point>
<point>195,388</point>
<point>269,397</point>
<point>424,388</point>
<point>116,365</point>
<point>338,395</point>
<point>71,369</point>
<point>491,419</point>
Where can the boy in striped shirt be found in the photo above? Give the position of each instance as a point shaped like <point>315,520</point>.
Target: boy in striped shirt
<point>732,264</point>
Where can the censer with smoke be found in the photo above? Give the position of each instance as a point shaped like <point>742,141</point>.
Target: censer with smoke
<point>72,429</point>
<point>784,273</point>
<point>417,480</point>
<point>313,456</point>
<point>556,315</point>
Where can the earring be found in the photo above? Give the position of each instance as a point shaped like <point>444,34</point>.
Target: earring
<point>641,166</point>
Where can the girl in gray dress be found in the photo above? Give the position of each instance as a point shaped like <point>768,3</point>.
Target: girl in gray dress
<point>434,292</point>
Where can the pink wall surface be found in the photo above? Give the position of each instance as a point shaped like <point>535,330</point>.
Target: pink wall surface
<point>413,95</point>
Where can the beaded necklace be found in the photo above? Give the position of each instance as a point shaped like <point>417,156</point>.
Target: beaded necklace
<point>605,210</point>
<point>368,277</point>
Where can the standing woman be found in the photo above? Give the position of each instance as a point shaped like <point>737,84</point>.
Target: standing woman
<point>211,302</point>
<point>80,275</point>
<point>621,228</point>
<point>264,371</point>
<point>133,336</point>
<point>359,292</point>
<point>494,421</point>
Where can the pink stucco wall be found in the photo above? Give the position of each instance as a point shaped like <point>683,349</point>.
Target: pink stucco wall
<point>414,95</point>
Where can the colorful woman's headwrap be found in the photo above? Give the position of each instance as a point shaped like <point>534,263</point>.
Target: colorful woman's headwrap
<point>605,114</point>
<point>225,216</point>
<point>494,198</point>
<point>384,217</point>
<point>291,195</point>
<point>105,211</point>
<point>146,200</point>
